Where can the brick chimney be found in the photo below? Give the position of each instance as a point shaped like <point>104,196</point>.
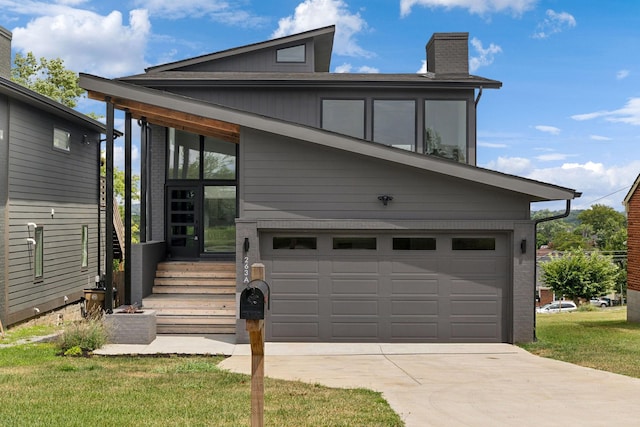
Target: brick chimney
<point>448,53</point>
<point>5,53</point>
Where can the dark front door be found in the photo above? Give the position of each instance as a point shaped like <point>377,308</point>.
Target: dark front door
<point>183,234</point>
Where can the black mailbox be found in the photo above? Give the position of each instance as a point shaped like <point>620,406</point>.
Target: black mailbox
<point>254,299</point>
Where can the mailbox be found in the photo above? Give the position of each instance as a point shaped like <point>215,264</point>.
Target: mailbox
<point>254,299</point>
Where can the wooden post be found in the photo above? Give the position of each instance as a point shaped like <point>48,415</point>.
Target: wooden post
<point>256,338</point>
<point>1,329</point>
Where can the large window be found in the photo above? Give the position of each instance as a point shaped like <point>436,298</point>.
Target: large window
<point>219,218</point>
<point>394,123</point>
<point>445,129</point>
<point>185,158</point>
<point>344,116</point>
<point>38,256</point>
<point>61,139</point>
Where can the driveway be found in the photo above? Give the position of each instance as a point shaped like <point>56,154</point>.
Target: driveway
<point>458,384</point>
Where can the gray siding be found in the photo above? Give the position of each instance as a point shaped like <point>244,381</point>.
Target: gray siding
<point>292,179</point>
<point>260,60</point>
<point>59,191</point>
<point>4,167</point>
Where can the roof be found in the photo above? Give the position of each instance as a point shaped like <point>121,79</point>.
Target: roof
<point>200,78</point>
<point>139,99</point>
<point>323,41</point>
<point>631,192</point>
<point>16,91</point>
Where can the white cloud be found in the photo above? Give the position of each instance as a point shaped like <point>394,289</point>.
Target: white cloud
<point>217,10</point>
<point>491,145</point>
<point>552,157</point>
<point>312,14</point>
<point>480,7</point>
<point>423,67</point>
<point>599,138</point>
<point>629,114</point>
<point>348,68</point>
<point>622,74</point>
<point>554,23</point>
<point>86,41</point>
<point>511,165</point>
<point>548,129</point>
<point>484,56</point>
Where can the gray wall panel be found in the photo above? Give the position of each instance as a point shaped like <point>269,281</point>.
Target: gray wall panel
<point>4,168</point>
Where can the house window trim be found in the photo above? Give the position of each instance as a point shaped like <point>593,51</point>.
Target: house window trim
<point>59,148</point>
<point>84,257</point>
<point>38,254</point>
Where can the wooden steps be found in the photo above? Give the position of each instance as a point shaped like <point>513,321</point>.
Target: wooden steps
<point>194,297</point>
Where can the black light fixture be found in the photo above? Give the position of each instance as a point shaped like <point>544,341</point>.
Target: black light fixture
<point>523,246</point>
<point>385,199</point>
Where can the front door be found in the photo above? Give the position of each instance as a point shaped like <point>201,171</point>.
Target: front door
<point>183,221</point>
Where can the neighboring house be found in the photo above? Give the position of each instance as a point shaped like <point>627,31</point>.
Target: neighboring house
<point>632,207</point>
<point>358,192</point>
<point>49,189</point>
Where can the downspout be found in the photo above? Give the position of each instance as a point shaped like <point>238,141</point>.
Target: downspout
<point>479,96</point>
<point>535,263</point>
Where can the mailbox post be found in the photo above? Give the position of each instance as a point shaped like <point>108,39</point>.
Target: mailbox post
<point>254,300</point>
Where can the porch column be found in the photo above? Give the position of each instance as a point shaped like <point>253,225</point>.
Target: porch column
<point>108,301</point>
<point>144,133</point>
<point>127,207</point>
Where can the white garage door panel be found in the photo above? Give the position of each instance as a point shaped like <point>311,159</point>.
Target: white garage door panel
<point>386,295</point>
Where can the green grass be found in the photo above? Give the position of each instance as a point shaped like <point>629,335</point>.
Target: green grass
<point>599,339</point>
<point>38,387</point>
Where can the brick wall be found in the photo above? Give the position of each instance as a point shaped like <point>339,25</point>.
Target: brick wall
<point>633,242</point>
<point>448,53</point>
<point>5,53</point>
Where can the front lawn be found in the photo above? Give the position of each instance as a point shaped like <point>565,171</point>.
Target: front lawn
<point>39,387</point>
<point>599,339</point>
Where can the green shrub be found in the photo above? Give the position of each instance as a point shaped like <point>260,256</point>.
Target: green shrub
<point>587,307</point>
<point>88,335</point>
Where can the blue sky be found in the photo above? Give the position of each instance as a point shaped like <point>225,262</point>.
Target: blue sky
<point>568,112</point>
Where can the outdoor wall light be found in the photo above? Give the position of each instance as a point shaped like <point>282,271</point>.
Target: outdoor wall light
<point>32,241</point>
<point>523,246</point>
<point>32,224</point>
<point>385,199</point>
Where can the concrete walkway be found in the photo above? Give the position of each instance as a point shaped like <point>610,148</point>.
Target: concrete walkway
<point>438,384</point>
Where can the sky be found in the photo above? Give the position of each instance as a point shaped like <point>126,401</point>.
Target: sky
<point>568,112</point>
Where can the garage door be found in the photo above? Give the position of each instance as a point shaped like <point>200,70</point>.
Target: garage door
<point>387,288</point>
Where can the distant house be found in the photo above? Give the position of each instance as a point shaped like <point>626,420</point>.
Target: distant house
<point>358,192</point>
<point>49,191</point>
<point>632,207</point>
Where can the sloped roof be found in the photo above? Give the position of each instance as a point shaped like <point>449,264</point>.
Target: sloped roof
<point>323,41</point>
<point>631,192</point>
<point>41,102</point>
<point>137,99</point>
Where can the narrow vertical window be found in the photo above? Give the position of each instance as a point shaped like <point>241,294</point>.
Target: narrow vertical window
<point>85,246</point>
<point>38,256</point>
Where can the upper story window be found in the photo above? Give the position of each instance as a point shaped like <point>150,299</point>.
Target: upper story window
<point>394,123</point>
<point>61,139</point>
<point>445,129</point>
<point>344,116</point>
<point>192,156</point>
<point>291,54</point>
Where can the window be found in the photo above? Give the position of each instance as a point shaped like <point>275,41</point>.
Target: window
<point>354,243</point>
<point>445,129</point>
<point>414,244</point>
<point>218,159</point>
<point>291,54</point>
<point>61,139</point>
<point>85,246</point>
<point>38,256</point>
<point>394,123</point>
<point>345,116</point>
<point>473,244</point>
<point>294,242</point>
<point>184,155</point>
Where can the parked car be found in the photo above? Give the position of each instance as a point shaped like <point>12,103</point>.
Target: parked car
<point>600,302</point>
<point>557,307</point>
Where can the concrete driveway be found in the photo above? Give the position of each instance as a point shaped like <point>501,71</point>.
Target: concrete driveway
<point>459,384</point>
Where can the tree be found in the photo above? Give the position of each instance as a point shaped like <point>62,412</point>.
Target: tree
<point>48,77</point>
<point>580,275</point>
<point>606,225</point>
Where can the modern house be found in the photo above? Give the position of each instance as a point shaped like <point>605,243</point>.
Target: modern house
<point>49,191</point>
<point>358,192</point>
<point>632,207</point>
